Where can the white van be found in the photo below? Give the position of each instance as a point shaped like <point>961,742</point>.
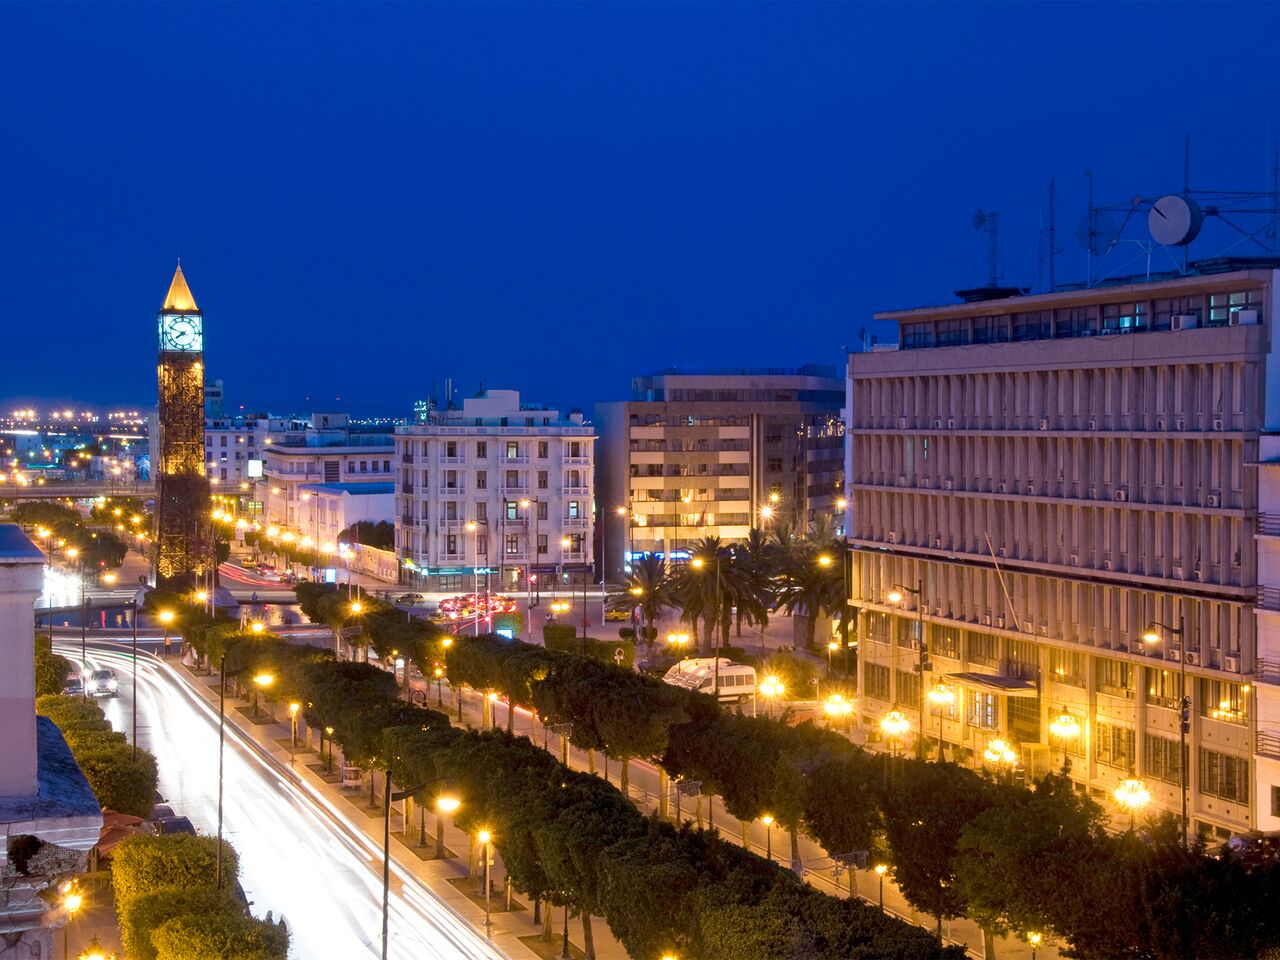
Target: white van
<point>737,680</point>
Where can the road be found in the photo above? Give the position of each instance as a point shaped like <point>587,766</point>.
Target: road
<point>300,856</point>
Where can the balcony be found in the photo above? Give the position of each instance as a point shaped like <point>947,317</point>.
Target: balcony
<point>575,491</point>
<point>575,522</point>
<point>513,460</point>
<point>576,461</point>
<point>453,461</point>
<point>1269,524</point>
<point>406,458</point>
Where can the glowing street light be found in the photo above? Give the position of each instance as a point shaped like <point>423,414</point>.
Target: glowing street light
<point>881,869</point>
<point>485,837</point>
<point>1133,795</point>
<point>942,697</point>
<point>838,708</point>
<point>772,688</point>
<point>446,805</point>
<point>767,820</point>
<point>1065,728</point>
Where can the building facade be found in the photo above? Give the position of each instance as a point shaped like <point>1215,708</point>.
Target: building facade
<point>327,509</point>
<point>498,487</point>
<point>715,452</point>
<point>1059,494</point>
<point>233,444</point>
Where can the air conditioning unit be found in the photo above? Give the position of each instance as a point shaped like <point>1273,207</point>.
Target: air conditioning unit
<point>1179,423</point>
<point>937,423</point>
<point>1044,629</point>
<point>1219,423</point>
<point>1093,491</point>
<point>1002,488</point>
<point>1213,500</point>
<point>1162,423</point>
<point>1122,494</point>
<point>1243,318</point>
<point>926,482</point>
<point>1137,646</point>
<point>948,484</point>
<point>998,620</point>
<point>1184,321</point>
<point>1002,553</point>
<point>1200,574</point>
<point>1075,559</point>
<point>937,543</point>
<point>1174,654</point>
<point>902,423</point>
<point>1106,565</point>
<point>1044,423</point>
<point>1231,664</point>
<point>893,536</point>
<point>1031,489</point>
<point>951,423</point>
<point>902,479</point>
<point>937,611</point>
<point>1091,425</point>
<point>986,619</point>
<point>1175,572</point>
<point>1192,658</point>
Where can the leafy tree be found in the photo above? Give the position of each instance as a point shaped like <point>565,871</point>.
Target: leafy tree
<point>650,589</point>
<point>811,580</point>
<point>381,535</point>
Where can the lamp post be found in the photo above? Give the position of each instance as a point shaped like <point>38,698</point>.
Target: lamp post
<point>772,688</point>
<point>881,869</point>
<point>133,707</point>
<point>72,901</point>
<point>894,725</point>
<point>74,553</point>
<point>536,505</point>
<point>839,709</point>
<point>896,596</point>
<point>698,563</point>
<point>166,617</point>
<point>1003,756</point>
<point>387,798</point>
<point>1152,636</point>
<point>474,529</point>
<point>1133,795</point>
<point>445,804</point>
<point>1034,939</point>
<point>293,730</point>
<point>941,696</point>
<point>485,837</point>
<point>767,820</point>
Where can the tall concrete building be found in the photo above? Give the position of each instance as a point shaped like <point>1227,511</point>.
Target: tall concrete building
<point>495,488</point>
<point>1037,484</point>
<point>698,453</point>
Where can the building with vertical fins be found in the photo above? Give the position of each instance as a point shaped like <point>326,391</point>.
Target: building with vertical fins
<point>183,547</point>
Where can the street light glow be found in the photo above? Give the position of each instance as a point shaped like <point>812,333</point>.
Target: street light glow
<point>447,804</point>
<point>264,679</point>
<point>166,616</point>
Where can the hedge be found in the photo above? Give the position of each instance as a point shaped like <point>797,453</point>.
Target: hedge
<point>122,779</point>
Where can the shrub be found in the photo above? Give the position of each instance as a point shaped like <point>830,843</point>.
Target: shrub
<point>226,935</point>
<point>120,780</point>
<point>146,913</point>
<point>51,670</point>
<point>142,865</point>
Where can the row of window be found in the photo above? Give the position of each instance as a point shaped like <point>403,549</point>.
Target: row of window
<point>455,545</point>
<point>511,449</point>
<point>453,510</point>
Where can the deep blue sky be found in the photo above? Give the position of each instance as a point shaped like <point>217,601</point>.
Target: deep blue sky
<point>369,199</point>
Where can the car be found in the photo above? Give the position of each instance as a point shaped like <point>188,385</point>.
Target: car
<point>615,616</point>
<point>411,599</point>
<point>103,683</point>
<point>73,687</point>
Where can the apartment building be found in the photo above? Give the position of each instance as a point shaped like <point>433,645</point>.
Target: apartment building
<point>698,453</point>
<point>495,488</point>
<point>330,449</point>
<point>1037,484</point>
<point>232,444</point>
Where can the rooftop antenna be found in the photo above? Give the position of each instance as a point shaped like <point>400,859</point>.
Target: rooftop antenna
<point>989,221</point>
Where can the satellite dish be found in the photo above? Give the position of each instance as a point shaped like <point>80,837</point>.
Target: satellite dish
<point>1174,221</point>
<point>979,219</point>
<point>1097,232</point>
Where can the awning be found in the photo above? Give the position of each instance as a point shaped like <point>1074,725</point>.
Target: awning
<point>987,683</point>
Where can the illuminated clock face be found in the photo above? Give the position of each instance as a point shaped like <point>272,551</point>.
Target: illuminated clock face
<point>180,333</point>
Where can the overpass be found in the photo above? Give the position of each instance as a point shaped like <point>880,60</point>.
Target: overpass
<point>76,489</point>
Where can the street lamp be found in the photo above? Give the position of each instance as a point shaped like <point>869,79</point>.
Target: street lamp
<point>894,725</point>
<point>166,617</point>
<point>72,901</point>
<point>772,688</point>
<point>897,595</point>
<point>1034,939</point>
<point>881,869</point>
<point>767,820</point>
<point>838,708</point>
<point>261,680</point>
<point>446,804</point>
<point>95,951</point>
<point>1153,636</point>
<point>1065,728</point>
<point>293,733</point>
<point>473,528</point>
<point>1000,753</point>
<point>941,696</point>
<point>257,627</point>
<point>1133,795</point>
<point>485,837</point>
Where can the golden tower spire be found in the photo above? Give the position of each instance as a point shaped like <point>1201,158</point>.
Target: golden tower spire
<point>179,298</point>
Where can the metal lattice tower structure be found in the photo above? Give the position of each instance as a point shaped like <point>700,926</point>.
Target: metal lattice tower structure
<point>183,547</point>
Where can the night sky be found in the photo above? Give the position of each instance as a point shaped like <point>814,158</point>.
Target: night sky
<point>370,199</point>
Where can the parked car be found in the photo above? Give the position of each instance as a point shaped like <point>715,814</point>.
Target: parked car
<point>615,616</point>
<point>73,686</point>
<point>411,599</point>
<point>103,683</point>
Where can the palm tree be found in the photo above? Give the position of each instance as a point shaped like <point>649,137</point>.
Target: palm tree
<point>651,590</point>
<point>708,586</point>
<point>755,557</point>
<point>811,581</point>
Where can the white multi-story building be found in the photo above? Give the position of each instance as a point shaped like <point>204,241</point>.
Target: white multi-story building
<point>496,487</point>
<point>1057,518</point>
<point>327,509</point>
<point>232,443</point>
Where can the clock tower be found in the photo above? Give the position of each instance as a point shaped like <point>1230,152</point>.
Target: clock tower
<point>183,545</point>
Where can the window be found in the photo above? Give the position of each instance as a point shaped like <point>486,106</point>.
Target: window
<point>1225,776</point>
<point>1164,688</point>
<point>482,449</point>
<point>573,510</point>
<point>451,448</point>
<point>952,333</point>
<point>513,510</point>
<point>575,478</point>
<point>981,709</point>
<point>773,465</point>
<point>917,335</point>
<point>1225,701</point>
<point>542,509</point>
<point>1223,305</point>
<point>575,543</point>
<point>513,543</point>
<point>1067,667</point>
<point>1114,745</point>
<point>451,544</point>
<point>542,479</point>
<point>451,479</point>
<point>386,466</point>
<point>1275,801</point>
<point>542,449</point>
<point>877,678</point>
<point>482,512</point>
<point>542,543</point>
<point>482,480</point>
<point>451,509</point>
<point>1115,677</point>
<point>944,641</point>
<point>513,478</point>
<point>513,449</point>
<point>1161,756</point>
<point>575,448</point>
<point>984,649</point>
<point>909,688</point>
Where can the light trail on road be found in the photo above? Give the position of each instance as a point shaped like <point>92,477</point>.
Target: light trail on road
<point>301,856</point>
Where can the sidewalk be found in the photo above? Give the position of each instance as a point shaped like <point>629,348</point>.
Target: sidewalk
<point>513,932</point>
